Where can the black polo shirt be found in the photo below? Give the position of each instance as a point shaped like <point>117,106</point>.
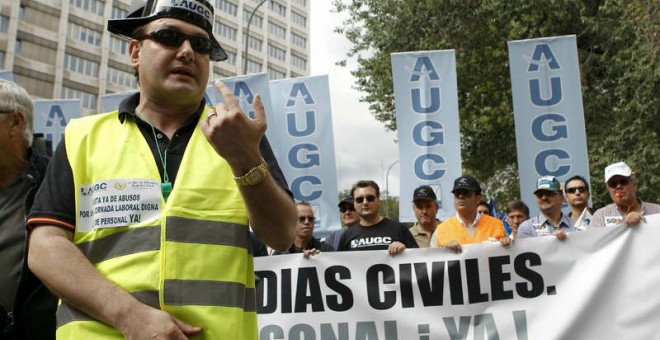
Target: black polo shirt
<point>56,197</point>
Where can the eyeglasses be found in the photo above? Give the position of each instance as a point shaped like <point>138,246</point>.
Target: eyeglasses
<point>369,198</point>
<point>302,219</point>
<point>540,194</point>
<point>345,209</point>
<point>173,38</point>
<point>576,189</point>
<point>614,183</point>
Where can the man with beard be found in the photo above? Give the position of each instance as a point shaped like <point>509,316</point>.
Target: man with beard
<point>627,208</point>
<point>551,220</point>
<point>374,231</point>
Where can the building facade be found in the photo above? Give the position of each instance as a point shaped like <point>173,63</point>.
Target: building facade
<point>61,48</point>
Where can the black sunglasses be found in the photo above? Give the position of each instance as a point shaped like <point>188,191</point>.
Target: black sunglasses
<point>369,198</point>
<point>302,219</point>
<point>173,38</point>
<point>345,209</point>
<point>542,193</point>
<point>574,189</point>
<point>614,183</point>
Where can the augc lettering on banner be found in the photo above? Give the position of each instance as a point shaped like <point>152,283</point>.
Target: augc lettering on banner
<point>548,127</point>
<point>425,100</point>
<point>303,155</point>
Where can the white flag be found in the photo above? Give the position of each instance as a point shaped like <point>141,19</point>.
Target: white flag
<point>584,221</point>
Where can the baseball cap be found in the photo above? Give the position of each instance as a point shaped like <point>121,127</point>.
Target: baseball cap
<point>196,12</point>
<point>549,183</point>
<point>345,200</point>
<point>617,169</point>
<point>424,193</point>
<point>467,183</point>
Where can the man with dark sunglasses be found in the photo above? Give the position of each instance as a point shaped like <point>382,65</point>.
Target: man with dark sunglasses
<point>304,241</point>
<point>374,232</point>
<point>551,221</point>
<point>468,226</point>
<point>349,218</point>
<point>141,225</point>
<point>576,191</point>
<point>627,208</point>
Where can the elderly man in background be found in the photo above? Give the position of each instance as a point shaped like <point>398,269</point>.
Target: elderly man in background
<point>27,307</point>
<point>627,208</point>
<point>425,206</point>
<point>349,218</point>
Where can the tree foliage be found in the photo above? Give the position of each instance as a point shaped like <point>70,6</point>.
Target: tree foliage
<point>618,47</point>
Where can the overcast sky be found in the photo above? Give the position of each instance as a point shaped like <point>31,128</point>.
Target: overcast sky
<point>364,149</point>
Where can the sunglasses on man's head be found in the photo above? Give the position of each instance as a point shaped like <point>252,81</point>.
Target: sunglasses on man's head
<point>302,219</point>
<point>173,38</point>
<point>576,189</point>
<point>345,209</point>
<point>369,198</point>
<point>613,183</point>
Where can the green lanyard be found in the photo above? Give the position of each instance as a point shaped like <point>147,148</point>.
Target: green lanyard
<point>166,185</point>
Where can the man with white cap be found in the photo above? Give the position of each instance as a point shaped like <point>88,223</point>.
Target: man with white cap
<point>551,220</point>
<point>627,208</point>
<point>141,225</point>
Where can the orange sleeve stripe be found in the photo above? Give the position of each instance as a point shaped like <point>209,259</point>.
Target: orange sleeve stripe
<point>40,221</point>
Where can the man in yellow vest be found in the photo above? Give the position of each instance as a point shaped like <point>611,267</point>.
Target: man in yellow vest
<point>141,225</point>
<point>468,226</point>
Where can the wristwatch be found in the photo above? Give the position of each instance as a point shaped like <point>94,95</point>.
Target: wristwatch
<point>253,176</point>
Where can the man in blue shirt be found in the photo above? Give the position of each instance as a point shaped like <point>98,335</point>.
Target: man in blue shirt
<point>551,220</point>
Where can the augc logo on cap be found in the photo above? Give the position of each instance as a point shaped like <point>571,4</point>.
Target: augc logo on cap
<point>194,6</point>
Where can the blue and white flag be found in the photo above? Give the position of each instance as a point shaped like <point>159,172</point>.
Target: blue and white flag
<point>548,113</point>
<point>110,102</point>
<point>305,143</point>
<point>52,116</point>
<point>428,130</point>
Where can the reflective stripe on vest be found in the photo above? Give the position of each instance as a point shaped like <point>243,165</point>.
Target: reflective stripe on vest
<point>196,257</point>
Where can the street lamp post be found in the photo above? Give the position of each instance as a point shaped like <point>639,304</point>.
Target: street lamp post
<point>387,186</point>
<point>247,36</point>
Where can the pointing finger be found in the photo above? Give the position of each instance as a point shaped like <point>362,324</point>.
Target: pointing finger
<point>259,111</point>
<point>229,99</point>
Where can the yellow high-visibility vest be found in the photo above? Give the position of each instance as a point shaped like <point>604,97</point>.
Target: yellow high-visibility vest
<point>190,256</point>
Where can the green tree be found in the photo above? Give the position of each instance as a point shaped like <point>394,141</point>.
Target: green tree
<point>618,45</point>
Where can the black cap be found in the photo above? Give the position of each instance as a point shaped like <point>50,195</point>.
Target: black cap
<point>467,183</point>
<point>196,12</point>
<point>345,200</point>
<point>424,193</point>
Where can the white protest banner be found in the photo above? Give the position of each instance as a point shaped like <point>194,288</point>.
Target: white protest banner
<point>427,124</point>
<point>52,116</point>
<point>549,118</point>
<point>598,284</point>
<point>303,121</point>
